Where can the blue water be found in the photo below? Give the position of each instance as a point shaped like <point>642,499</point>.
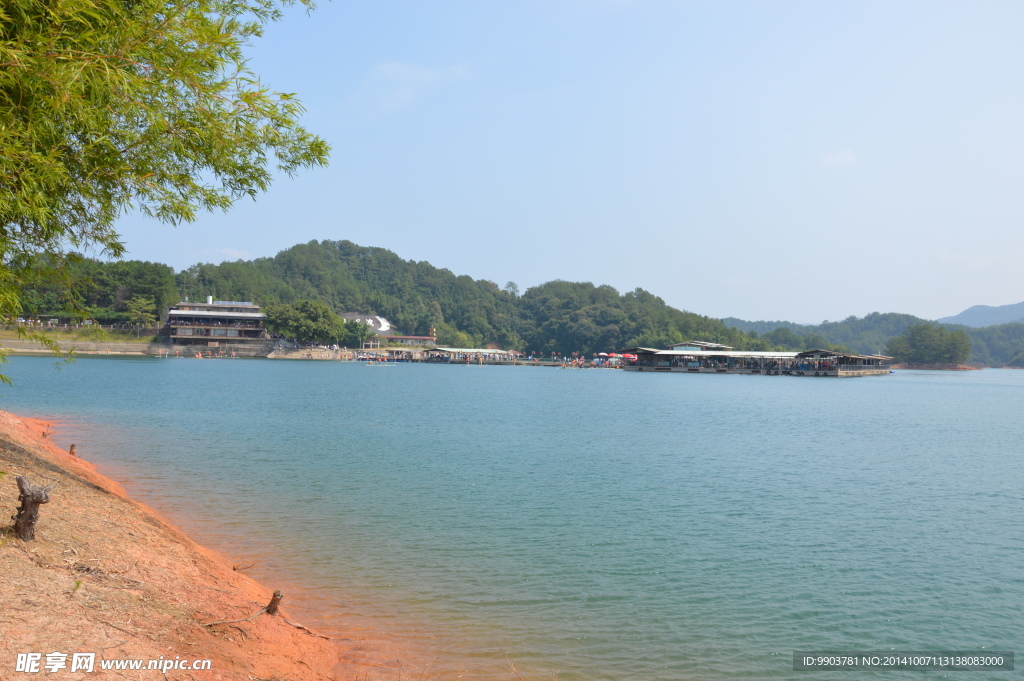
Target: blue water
<point>602,524</point>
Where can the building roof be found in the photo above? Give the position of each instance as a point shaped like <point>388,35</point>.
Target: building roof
<point>726,353</point>
<point>753,353</point>
<point>211,314</point>
<point>833,353</point>
<point>771,355</point>
<point>703,344</point>
<point>219,303</point>
<point>476,351</point>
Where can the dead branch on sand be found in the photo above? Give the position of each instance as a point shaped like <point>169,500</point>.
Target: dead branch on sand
<point>271,609</point>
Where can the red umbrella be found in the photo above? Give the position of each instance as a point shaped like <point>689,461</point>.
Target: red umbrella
<point>612,354</point>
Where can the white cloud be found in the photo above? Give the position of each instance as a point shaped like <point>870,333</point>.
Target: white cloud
<point>840,159</point>
<point>392,86</point>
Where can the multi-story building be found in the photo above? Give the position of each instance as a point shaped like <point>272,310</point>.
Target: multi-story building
<point>216,323</point>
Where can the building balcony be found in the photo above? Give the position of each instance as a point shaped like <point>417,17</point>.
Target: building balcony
<point>223,332</point>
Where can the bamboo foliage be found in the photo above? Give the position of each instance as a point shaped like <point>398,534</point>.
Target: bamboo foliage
<point>109,105</point>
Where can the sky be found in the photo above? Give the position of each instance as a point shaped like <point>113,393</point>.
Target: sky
<point>800,161</point>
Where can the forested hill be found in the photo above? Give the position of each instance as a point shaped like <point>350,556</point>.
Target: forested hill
<point>761,327</point>
<point>415,296</point>
<point>990,345</point>
<point>558,316</point>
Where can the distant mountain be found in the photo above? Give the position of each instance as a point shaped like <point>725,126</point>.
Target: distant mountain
<point>995,345</point>
<point>867,335</point>
<point>986,315</point>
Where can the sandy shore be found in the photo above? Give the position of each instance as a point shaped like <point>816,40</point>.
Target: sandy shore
<point>109,576</point>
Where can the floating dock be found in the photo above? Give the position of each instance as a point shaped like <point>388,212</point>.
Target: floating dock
<point>709,359</point>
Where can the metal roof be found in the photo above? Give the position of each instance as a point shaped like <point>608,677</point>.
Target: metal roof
<point>808,353</point>
<point>726,353</point>
<point>216,313</point>
<point>756,353</point>
<point>703,344</point>
<point>475,351</point>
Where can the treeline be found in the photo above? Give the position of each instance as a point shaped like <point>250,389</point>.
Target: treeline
<point>930,344</point>
<point>996,346</point>
<point>558,316</point>
<point>413,296</point>
<point>107,292</point>
<point>990,345</point>
<point>310,321</point>
<point>563,315</point>
<point>416,296</point>
<point>867,335</point>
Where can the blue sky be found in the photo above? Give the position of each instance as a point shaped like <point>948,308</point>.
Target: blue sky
<point>764,160</point>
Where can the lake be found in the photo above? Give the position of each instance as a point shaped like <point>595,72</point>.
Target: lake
<point>602,524</point>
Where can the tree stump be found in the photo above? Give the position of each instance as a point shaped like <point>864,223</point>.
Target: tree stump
<point>31,498</point>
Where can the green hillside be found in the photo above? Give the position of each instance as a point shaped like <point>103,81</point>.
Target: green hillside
<point>558,316</point>
<point>990,345</point>
<point>416,296</point>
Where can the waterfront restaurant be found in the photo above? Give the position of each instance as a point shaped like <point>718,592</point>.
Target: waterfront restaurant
<point>481,355</point>
<point>216,323</point>
<point>697,359</point>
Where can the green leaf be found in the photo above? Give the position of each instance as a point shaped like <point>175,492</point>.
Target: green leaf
<point>108,106</point>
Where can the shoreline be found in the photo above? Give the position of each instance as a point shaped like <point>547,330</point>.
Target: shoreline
<point>111,576</point>
<point>911,366</point>
<point>85,349</point>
